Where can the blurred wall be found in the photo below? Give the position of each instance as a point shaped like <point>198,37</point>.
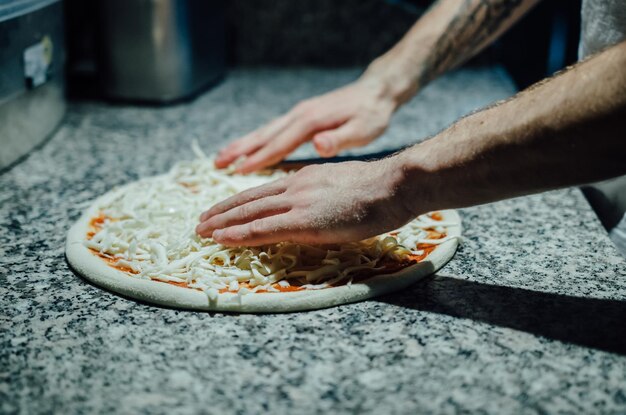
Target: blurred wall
<point>341,33</point>
<point>322,32</point>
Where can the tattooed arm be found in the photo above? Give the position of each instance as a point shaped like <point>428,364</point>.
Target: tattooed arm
<point>451,32</point>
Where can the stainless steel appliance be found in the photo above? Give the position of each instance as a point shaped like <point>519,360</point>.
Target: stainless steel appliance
<point>160,50</point>
<point>32,54</point>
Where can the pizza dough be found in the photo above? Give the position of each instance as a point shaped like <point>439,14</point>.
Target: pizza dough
<point>97,270</point>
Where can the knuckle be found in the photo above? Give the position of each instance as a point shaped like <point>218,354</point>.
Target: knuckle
<point>257,228</point>
<point>304,200</point>
<point>306,169</point>
<point>307,113</point>
<point>302,107</point>
<point>310,123</point>
<point>311,120</point>
<point>245,211</point>
<point>280,185</point>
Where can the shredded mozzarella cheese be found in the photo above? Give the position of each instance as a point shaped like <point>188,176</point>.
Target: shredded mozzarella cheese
<point>150,230</point>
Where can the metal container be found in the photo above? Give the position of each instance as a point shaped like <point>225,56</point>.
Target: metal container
<point>32,55</point>
<point>160,50</point>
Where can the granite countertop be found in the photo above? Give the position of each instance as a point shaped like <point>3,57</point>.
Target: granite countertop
<point>529,316</point>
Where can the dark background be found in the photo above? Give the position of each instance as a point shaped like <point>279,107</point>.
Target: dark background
<point>341,33</point>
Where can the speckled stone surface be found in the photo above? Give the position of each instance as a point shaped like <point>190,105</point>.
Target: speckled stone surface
<point>529,316</point>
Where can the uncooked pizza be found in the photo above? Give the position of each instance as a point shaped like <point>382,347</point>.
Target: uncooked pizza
<point>139,241</point>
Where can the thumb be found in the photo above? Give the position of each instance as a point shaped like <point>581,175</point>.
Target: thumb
<point>350,134</point>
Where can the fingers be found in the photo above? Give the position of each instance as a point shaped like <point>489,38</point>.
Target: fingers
<point>250,142</point>
<point>269,155</point>
<point>242,147</point>
<point>264,231</point>
<point>271,144</point>
<point>266,190</point>
<point>350,134</point>
<point>248,212</point>
<point>278,148</point>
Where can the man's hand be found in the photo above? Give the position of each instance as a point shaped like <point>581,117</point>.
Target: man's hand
<point>327,203</point>
<point>348,117</point>
<point>446,36</point>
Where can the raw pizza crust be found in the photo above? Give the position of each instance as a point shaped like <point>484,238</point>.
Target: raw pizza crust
<point>94,269</point>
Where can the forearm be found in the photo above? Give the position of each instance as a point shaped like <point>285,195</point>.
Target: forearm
<point>564,131</point>
<point>450,33</point>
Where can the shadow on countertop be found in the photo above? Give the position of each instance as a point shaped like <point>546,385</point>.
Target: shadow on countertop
<point>589,322</point>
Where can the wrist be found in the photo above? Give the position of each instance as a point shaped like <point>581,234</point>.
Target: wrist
<point>391,75</point>
<point>420,185</point>
<point>451,170</point>
<point>397,178</point>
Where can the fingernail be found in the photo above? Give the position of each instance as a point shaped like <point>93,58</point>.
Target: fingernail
<point>217,233</point>
<point>324,143</point>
